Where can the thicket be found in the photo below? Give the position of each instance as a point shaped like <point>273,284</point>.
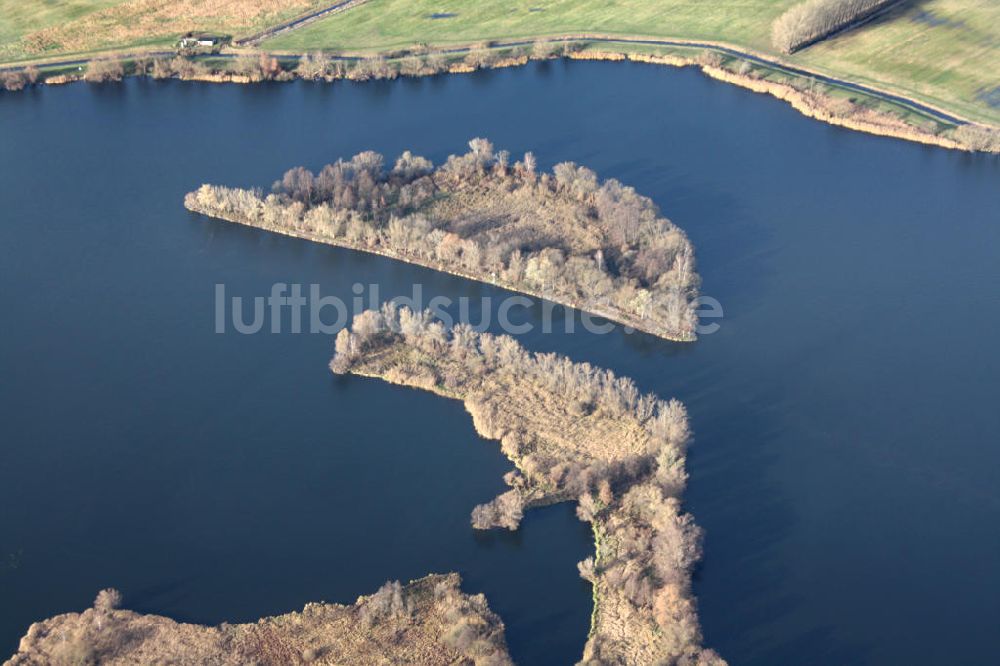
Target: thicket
<point>258,67</point>
<point>468,626</point>
<point>813,20</point>
<point>596,245</point>
<point>99,635</point>
<point>978,137</point>
<point>105,69</point>
<point>626,469</point>
<point>430,614</point>
<point>17,80</point>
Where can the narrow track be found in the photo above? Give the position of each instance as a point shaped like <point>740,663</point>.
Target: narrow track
<point>297,22</point>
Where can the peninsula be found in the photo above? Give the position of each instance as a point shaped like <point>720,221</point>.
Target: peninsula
<point>574,433</point>
<point>430,621</point>
<point>596,246</point>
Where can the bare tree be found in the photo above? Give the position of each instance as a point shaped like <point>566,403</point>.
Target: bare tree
<point>103,70</point>
<point>505,510</point>
<point>813,20</point>
<point>317,65</point>
<point>107,600</point>
<point>12,81</point>
<point>542,49</point>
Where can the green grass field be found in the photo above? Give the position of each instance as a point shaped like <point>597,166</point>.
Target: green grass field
<point>943,52</point>
<point>20,17</point>
<point>946,52</point>
<point>381,24</point>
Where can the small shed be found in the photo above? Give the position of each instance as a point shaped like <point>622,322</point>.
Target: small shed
<point>200,41</point>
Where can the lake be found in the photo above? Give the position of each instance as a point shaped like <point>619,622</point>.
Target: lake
<point>845,466</point>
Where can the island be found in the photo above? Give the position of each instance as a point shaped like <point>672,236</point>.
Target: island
<point>574,433</point>
<point>599,247</point>
<point>429,621</point>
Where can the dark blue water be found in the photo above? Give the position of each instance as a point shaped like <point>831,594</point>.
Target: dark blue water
<point>845,467</point>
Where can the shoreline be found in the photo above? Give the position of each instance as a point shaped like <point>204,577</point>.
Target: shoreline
<point>315,237</point>
<point>442,626</point>
<point>876,122</point>
<point>621,461</point>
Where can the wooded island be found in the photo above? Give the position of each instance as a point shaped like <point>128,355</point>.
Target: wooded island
<point>596,246</point>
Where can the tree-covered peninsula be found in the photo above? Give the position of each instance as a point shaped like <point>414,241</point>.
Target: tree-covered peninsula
<point>429,621</point>
<point>566,236</point>
<point>574,433</point>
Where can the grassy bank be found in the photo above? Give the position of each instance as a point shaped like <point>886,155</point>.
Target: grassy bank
<point>944,52</point>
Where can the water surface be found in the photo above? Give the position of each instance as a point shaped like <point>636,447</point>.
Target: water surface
<point>845,467</point>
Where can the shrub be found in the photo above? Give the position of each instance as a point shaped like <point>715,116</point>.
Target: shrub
<point>543,50</point>
<point>506,510</point>
<point>709,59</point>
<point>12,81</point>
<point>315,66</point>
<point>978,137</point>
<point>100,71</point>
<point>107,600</point>
<point>386,604</point>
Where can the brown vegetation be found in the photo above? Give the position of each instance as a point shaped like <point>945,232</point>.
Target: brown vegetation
<point>429,621</point>
<point>146,20</point>
<point>978,137</point>
<point>257,67</point>
<point>574,432</point>
<point>182,68</point>
<point>319,66</point>
<point>813,20</point>
<point>14,80</point>
<point>814,102</point>
<point>103,70</point>
<point>597,246</point>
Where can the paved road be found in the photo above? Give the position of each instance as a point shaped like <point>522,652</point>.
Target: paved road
<point>298,22</point>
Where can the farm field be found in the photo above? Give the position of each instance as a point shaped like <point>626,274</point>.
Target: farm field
<point>946,52</point>
<point>382,24</point>
<point>942,52</point>
<point>64,27</point>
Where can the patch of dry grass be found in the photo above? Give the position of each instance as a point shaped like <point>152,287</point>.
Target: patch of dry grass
<point>412,624</point>
<point>142,22</point>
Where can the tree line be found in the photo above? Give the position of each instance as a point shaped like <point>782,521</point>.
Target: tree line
<point>811,21</point>
<point>319,65</point>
